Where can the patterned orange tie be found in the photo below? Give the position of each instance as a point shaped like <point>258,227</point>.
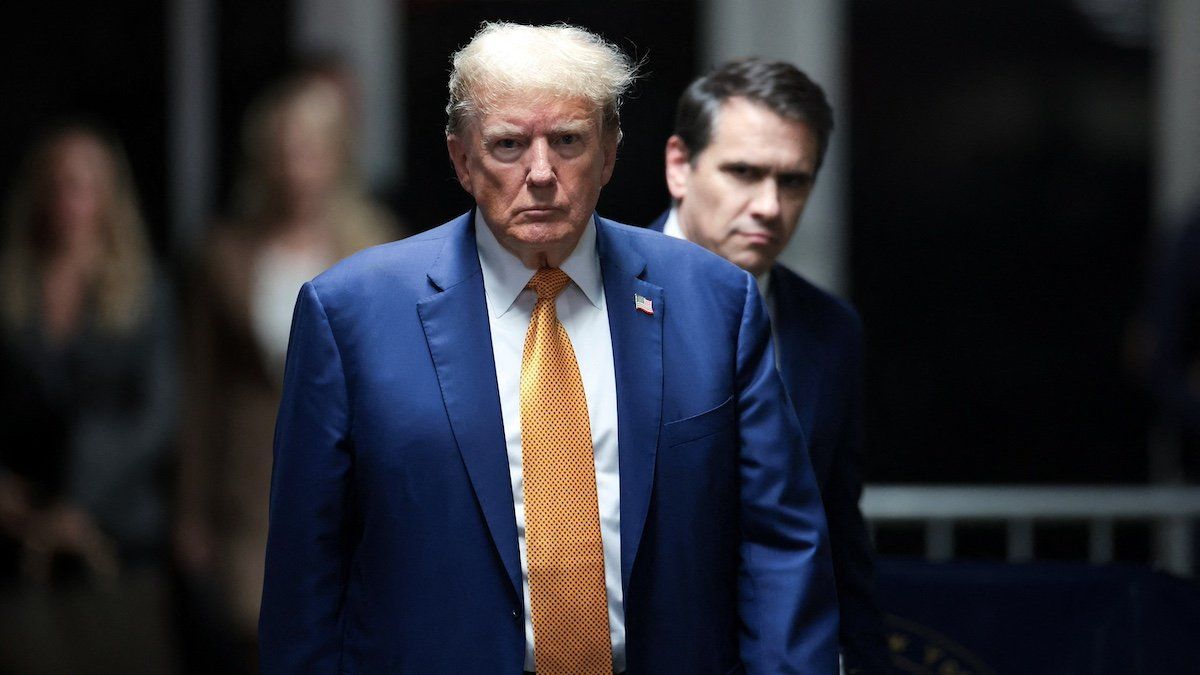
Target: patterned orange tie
<point>562,523</point>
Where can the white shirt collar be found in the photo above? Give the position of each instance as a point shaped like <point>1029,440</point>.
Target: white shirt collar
<point>671,228</point>
<point>504,276</point>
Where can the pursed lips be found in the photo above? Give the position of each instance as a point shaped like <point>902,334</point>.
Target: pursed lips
<point>761,237</point>
<point>538,211</point>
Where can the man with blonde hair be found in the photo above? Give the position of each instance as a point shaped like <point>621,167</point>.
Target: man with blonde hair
<point>532,439</point>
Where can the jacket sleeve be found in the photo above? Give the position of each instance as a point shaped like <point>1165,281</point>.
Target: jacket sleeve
<point>786,596</point>
<point>311,524</point>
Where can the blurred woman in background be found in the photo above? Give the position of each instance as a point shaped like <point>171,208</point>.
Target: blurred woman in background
<point>299,206</point>
<point>87,411</point>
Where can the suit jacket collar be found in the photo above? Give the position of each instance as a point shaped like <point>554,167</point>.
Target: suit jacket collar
<point>789,316</point>
<point>788,325</point>
<point>658,223</point>
<point>459,259</point>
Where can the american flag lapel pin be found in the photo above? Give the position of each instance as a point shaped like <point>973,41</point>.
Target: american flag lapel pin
<point>643,304</point>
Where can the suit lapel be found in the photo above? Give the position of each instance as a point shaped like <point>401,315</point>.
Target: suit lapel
<point>460,342</point>
<point>637,362</point>
<point>796,363</point>
<point>787,330</point>
<point>660,223</point>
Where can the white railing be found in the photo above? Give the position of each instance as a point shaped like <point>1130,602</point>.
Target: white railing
<point>1173,510</point>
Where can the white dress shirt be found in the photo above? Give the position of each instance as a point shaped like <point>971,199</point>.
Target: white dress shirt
<point>275,277</point>
<point>583,313</point>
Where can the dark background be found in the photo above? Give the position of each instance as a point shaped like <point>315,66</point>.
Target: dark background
<point>998,190</point>
<point>999,212</point>
<point>103,62</point>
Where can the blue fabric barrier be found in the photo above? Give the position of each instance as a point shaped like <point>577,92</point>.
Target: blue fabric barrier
<point>983,618</point>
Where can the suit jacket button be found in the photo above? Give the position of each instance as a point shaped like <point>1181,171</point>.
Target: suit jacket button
<point>514,613</point>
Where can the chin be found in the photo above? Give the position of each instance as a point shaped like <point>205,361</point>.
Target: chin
<point>538,233</point>
<point>753,264</point>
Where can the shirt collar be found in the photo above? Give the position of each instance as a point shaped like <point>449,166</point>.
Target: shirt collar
<point>671,228</point>
<point>504,276</point>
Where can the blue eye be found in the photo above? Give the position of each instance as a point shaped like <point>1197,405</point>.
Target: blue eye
<point>568,139</point>
<point>507,149</point>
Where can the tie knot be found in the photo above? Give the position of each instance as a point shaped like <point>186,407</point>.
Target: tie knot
<point>548,282</point>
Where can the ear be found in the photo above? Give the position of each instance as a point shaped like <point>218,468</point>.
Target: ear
<point>679,167</point>
<point>457,147</point>
<point>609,142</point>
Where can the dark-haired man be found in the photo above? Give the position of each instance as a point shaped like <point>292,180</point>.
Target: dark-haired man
<point>749,140</point>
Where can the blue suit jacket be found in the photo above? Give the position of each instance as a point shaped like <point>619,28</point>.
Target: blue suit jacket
<point>393,542</point>
<point>819,338</point>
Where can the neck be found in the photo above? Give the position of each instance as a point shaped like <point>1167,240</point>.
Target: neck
<point>303,212</point>
<point>538,256</point>
<point>535,260</point>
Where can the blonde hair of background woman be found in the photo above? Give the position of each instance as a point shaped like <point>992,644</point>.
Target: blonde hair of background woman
<point>324,107</point>
<point>122,277</point>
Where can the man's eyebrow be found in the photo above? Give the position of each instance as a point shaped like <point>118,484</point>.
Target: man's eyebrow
<point>763,168</point>
<point>740,164</point>
<point>798,173</point>
<point>500,130</point>
<point>572,127</point>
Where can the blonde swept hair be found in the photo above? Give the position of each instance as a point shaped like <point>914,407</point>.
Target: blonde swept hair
<point>314,96</point>
<point>121,284</point>
<point>505,59</point>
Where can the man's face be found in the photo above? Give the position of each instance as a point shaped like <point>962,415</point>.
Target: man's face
<point>535,169</point>
<point>743,195</point>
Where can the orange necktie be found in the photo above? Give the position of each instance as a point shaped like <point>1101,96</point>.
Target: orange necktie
<point>562,523</point>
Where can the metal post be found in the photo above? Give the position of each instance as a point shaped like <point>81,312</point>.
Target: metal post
<point>1177,94</point>
<point>939,539</point>
<point>192,136</point>
<point>1175,545</point>
<point>1100,541</point>
<point>1020,540</point>
<point>368,34</point>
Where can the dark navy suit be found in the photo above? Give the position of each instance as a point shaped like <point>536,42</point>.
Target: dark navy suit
<point>819,339</point>
<point>393,541</point>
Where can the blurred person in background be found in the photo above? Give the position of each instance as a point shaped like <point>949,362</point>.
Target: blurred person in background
<point>87,412</point>
<point>299,206</point>
<point>749,140</point>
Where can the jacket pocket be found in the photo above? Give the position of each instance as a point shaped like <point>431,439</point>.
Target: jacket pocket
<point>707,423</point>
